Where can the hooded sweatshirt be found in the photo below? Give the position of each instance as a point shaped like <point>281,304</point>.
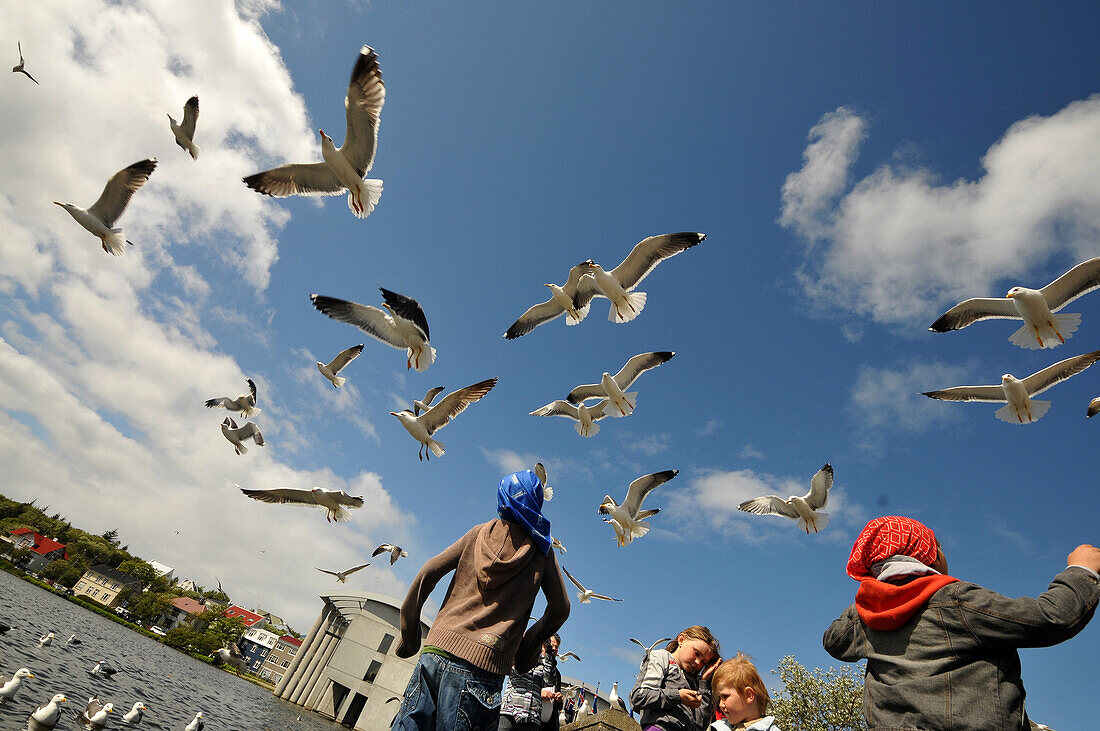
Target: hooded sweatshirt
<point>498,571</point>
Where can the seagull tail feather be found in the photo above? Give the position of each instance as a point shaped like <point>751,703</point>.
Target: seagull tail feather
<point>436,447</point>
<point>631,308</point>
<point>338,381</point>
<point>819,522</point>
<point>114,243</point>
<point>194,151</point>
<point>590,432</point>
<point>369,193</point>
<point>1008,412</point>
<point>582,312</point>
<point>241,448</point>
<point>631,402</point>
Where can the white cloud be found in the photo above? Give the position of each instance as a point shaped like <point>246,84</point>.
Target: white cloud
<point>900,246</point>
<point>709,428</point>
<point>509,461</point>
<point>750,452</point>
<point>650,445</point>
<point>892,397</point>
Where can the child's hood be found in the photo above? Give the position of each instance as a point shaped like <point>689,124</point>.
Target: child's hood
<point>504,550</point>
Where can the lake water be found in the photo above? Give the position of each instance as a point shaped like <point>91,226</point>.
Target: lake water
<point>174,686</point>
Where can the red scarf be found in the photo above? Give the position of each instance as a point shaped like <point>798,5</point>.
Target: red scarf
<point>885,606</point>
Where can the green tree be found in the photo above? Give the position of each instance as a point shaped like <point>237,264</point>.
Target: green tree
<point>111,536</point>
<point>819,700</point>
<point>140,570</point>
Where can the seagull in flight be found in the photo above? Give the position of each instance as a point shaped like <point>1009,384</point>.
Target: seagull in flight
<point>395,552</point>
<point>586,595</point>
<point>402,325</point>
<point>804,509</point>
<point>231,655</point>
<point>618,284</point>
<point>343,168</point>
<point>540,472</point>
<point>426,404</point>
<point>245,403</point>
<point>563,300</point>
<point>1036,307</point>
<point>342,576</point>
<point>613,387</point>
<point>329,370</point>
<point>1020,409</point>
<point>112,202</point>
<point>185,133</point>
<point>335,503</point>
<point>20,69</point>
<point>1094,407</point>
<point>237,435</point>
<point>568,655</point>
<point>585,416</point>
<point>651,647</point>
<point>629,518</point>
<point>422,427</point>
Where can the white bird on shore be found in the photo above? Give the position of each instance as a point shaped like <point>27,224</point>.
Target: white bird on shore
<point>613,387</point>
<point>1020,409</point>
<point>804,509</point>
<point>9,685</point>
<point>563,301</point>
<point>629,516</point>
<point>1036,307</point>
<point>586,595</point>
<point>97,713</point>
<point>335,503</point>
<point>342,576</point>
<point>45,640</point>
<point>21,67</point>
<point>48,714</point>
<point>1094,407</point>
<point>329,370</point>
<point>245,403</point>
<point>585,416</point>
<point>236,435</point>
<point>618,284</point>
<point>101,216</point>
<point>196,723</point>
<point>135,714</point>
<point>422,427</point>
<point>343,168</point>
<point>185,133</point>
<point>395,552</point>
<point>403,325</point>
<point>613,697</point>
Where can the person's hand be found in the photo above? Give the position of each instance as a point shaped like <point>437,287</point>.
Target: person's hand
<point>1085,555</point>
<point>406,649</point>
<point>690,698</point>
<point>548,694</point>
<point>709,669</point>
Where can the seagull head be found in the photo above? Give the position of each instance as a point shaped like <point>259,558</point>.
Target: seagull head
<point>170,119</point>
<point>1013,292</point>
<point>325,138</point>
<point>109,708</point>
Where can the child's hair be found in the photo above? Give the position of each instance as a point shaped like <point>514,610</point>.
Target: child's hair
<point>740,673</point>
<point>696,632</point>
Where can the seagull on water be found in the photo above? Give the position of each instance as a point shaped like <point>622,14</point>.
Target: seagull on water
<point>422,427</point>
<point>96,714</point>
<point>1036,307</point>
<point>803,509</point>
<point>185,133</point>
<point>585,416</point>
<point>5,628</point>
<point>21,68</point>
<point>563,300</point>
<point>102,668</point>
<point>1020,409</point>
<point>45,640</point>
<point>1094,407</point>
<point>9,684</point>
<point>48,714</point>
<point>337,364</point>
<point>342,576</point>
<point>395,552</point>
<point>196,723</point>
<point>334,502</point>
<point>613,387</point>
<point>116,195</point>
<point>73,640</point>
<point>651,647</point>
<point>135,714</point>
<point>236,435</point>
<point>402,326</point>
<point>343,168</point>
<point>618,284</point>
<point>629,518</point>
<point>586,595</point>
<point>245,403</point>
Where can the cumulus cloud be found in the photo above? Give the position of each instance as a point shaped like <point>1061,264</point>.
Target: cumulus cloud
<point>900,245</point>
<point>892,397</point>
<point>750,452</point>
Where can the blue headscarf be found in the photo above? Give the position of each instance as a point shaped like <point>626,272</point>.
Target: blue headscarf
<point>519,499</point>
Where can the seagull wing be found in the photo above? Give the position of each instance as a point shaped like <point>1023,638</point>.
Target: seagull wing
<point>1079,280</point>
<point>571,654</point>
<point>969,393</point>
<point>190,117</point>
<point>605,598</point>
<point>638,365</point>
<point>535,316</point>
<point>326,571</point>
<point>820,485</point>
<point>366,95</point>
<point>95,705</point>
<point>251,431</point>
<point>597,411</point>
<point>383,549</point>
<point>972,310</point>
<point>407,308</point>
<point>341,497</point>
<point>315,178</point>
<point>540,472</point>
<point>252,390</point>
<point>580,394</point>
<point>558,408</point>
<point>371,320</point>
<point>348,572</point>
<point>1038,382</point>
<point>281,495</point>
<point>222,402</point>
<point>769,505</point>
<point>431,394</point>
<point>344,357</point>
<point>642,487</point>
<point>648,253</point>
<point>1094,407</point>
<point>454,404</point>
<point>120,189</point>
<point>574,581</point>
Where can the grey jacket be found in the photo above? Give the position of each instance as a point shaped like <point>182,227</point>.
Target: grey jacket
<point>656,695</point>
<point>954,666</point>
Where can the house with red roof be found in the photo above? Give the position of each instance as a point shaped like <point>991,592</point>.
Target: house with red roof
<point>183,611</point>
<point>279,659</point>
<point>43,549</point>
<point>249,618</point>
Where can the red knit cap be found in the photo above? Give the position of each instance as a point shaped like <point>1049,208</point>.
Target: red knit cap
<point>890,536</point>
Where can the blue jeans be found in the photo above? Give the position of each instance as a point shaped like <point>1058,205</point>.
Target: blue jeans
<point>449,695</point>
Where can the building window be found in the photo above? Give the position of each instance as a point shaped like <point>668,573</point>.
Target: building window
<point>286,663</point>
<point>384,645</point>
<point>372,671</point>
<point>292,650</point>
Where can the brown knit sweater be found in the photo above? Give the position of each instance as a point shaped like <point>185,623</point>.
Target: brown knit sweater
<point>498,573</point>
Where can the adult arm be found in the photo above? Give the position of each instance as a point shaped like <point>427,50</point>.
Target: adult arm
<point>552,619</point>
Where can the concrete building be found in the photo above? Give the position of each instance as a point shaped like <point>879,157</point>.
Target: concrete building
<point>279,659</point>
<point>346,669</point>
<point>255,644</point>
<point>103,584</point>
<point>43,550</point>
<point>167,572</point>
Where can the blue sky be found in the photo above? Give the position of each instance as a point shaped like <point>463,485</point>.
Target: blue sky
<point>857,170</point>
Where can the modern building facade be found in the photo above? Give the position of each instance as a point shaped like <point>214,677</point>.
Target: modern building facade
<point>103,584</point>
<point>345,669</point>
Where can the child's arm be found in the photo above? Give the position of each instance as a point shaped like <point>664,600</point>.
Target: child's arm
<point>557,611</point>
<point>647,691</point>
<point>430,574</point>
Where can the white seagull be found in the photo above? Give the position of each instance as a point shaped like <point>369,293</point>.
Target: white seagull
<point>1020,409</point>
<point>1036,307</point>
<point>73,640</point>
<point>540,472</point>
<point>618,284</point>
<point>1094,407</point>
<point>422,427</point>
<point>402,326</point>
<point>329,370</point>
<point>613,387</point>
<point>395,552</point>
<point>585,416</point>
<point>651,647</point>
<point>196,723</point>
<point>116,195</point>
<point>48,714</point>
<point>629,518</point>
<point>426,404</point>
<point>586,595</point>
<point>343,168</point>
<point>563,301</point>
<point>45,640</point>
<point>237,435</point>
<point>9,685</point>
<point>135,714</point>
<point>21,68</point>
<point>802,509</point>
<point>102,668</point>
<point>245,403</point>
<point>334,502</point>
<point>342,576</point>
<point>557,544</point>
<point>185,133</point>
<point>229,654</point>
<point>568,655</point>
<point>96,714</point>
<point>613,697</point>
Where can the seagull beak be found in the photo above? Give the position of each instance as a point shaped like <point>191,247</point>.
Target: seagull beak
<point>1010,295</point>
<point>393,413</point>
<point>59,203</point>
